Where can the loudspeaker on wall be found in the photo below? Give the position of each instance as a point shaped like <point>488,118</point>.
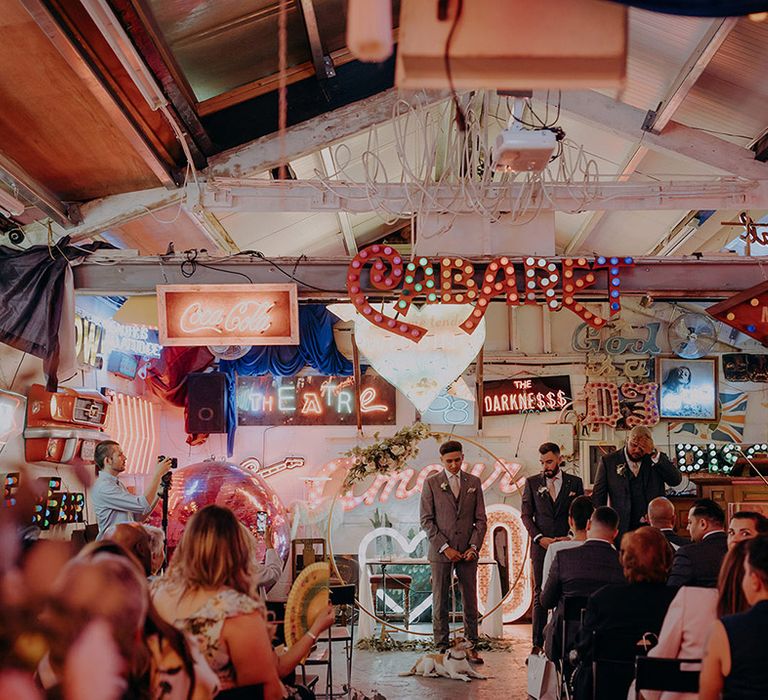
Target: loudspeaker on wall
<point>204,409</point>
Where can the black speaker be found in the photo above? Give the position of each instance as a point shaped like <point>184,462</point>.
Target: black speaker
<point>204,410</point>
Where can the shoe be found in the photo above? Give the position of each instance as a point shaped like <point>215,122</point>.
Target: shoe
<point>474,658</point>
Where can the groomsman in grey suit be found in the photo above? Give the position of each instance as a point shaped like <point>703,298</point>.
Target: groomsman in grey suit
<point>453,516</point>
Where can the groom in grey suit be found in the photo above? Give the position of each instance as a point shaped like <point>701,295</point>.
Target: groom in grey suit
<point>453,516</point>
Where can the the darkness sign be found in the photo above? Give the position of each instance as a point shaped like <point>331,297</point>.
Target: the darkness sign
<point>313,401</point>
<point>528,395</point>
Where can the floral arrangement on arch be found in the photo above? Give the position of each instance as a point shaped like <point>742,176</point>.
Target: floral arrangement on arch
<point>385,456</point>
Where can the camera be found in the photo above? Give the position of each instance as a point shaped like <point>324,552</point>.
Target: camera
<point>174,461</point>
<point>261,522</point>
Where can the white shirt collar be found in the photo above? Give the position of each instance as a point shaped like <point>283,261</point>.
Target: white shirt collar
<point>449,475</point>
<point>556,477</point>
<point>713,532</point>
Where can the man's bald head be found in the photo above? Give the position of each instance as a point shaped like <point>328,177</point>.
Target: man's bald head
<point>661,513</point>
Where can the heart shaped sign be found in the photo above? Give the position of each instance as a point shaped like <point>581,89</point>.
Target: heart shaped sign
<point>422,370</point>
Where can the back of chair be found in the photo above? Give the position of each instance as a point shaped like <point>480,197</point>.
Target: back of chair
<point>613,663</point>
<point>573,608</point>
<point>675,675</point>
<point>244,692</point>
<point>343,595</point>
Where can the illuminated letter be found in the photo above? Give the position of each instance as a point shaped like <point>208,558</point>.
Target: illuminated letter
<point>286,399</point>
<point>311,404</point>
<point>344,402</point>
<point>546,282</point>
<point>491,287</point>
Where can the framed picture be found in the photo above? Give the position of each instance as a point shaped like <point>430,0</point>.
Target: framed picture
<point>590,455</point>
<point>687,388</point>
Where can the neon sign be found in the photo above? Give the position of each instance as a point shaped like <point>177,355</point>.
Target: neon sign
<point>56,507</point>
<point>131,421</point>
<point>529,395</point>
<point>221,314</point>
<point>406,483</point>
<point>587,339</point>
<point>459,281</point>
<point>621,407</point>
<point>314,400</point>
<point>11,414</point>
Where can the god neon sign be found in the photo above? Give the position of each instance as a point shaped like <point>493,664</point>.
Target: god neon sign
<point>454,280</point>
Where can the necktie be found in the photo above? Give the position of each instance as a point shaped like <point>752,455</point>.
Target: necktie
<point>455,486</point>
<point>551,489</point>
<point>635,467</point>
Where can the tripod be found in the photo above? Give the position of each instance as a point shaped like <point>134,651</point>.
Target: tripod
<point>165,484</point>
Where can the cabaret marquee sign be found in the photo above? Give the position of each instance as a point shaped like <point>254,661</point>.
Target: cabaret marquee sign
<point>228,314</point>
<point>455,280</point>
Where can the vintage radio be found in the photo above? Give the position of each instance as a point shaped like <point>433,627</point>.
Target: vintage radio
<point>63,425</point>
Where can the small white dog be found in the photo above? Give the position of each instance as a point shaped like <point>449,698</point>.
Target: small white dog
<point>452,664</point>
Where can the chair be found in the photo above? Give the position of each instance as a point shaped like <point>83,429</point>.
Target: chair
<point>305,552</point>
<point>613,663</point>
<point>393,582</point>
<point>339,595</point>
<point>244,692</point>
<point>573,614</point>
<point>666,674</point>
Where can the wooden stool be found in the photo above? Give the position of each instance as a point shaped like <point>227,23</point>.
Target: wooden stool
<point>394,582</point>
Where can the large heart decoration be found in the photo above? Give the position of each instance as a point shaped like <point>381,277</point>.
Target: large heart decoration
<point>422,370</point>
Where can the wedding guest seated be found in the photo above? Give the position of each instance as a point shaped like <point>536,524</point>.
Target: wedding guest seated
<point>206,594</point>
<point>692,613</point>
<point>736,661</point>
<point>156,547</point>
<point>746,524</point>
<point>581,571</point>
<point>579,512</point>
<point>698,564</point>
<point>661,515</point>
<point>630,609</point>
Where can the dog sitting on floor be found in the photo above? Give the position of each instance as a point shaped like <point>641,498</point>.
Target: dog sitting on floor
<point>450,664</point>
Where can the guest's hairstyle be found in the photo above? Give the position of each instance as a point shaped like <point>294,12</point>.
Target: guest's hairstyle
<point>760,521</point>
<point>135,539</point>
<point>213,552</point>
<point>757,556</point>
<point>709,510</point>
<point>581,510</point>
<point>103,450</point>
<point>646,556</point>
<point>156,546</point>
<point>605,516</point>
<point>730,596</point>
<point>549,447</point>
<point>639,431</point>
<point>451,446</point>
<point>104,586</point>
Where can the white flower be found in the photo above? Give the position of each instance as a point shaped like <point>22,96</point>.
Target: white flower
<point>620,469</point>
<point>397,450</point>
<point>541,490</point>
<point>444,486</point>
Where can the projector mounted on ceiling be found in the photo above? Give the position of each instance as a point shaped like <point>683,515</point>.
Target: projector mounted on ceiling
<point>522,150</point>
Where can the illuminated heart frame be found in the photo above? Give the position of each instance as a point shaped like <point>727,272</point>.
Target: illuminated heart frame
<point>403,541</point>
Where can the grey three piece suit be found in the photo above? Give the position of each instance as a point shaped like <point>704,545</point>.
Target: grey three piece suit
<point>460,523</point>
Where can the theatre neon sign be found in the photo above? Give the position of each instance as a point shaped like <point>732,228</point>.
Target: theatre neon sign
<point>455,280</point>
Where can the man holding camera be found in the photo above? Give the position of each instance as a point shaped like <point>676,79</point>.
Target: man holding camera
<point>112,501</point>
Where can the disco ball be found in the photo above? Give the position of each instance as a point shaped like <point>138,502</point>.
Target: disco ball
<point>244,493</point>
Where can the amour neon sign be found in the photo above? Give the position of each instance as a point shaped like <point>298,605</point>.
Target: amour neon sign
<point>454,280</point>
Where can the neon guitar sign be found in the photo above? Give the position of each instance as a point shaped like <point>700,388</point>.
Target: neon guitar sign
<point>454,280</point>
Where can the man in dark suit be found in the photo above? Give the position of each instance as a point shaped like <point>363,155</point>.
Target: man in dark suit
<point>453,516</point>
<point>698,564</point>
<point>546,500</point>
<point>633,477</point>
<point>582,570</point>
<point>661,515</point>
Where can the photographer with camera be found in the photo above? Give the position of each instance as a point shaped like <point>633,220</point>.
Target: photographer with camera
<point>111,500</point>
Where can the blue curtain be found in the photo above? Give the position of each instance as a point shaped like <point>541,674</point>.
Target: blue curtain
<point>316,349</point>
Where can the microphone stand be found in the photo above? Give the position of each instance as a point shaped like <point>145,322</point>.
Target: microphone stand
<point>165,484</point>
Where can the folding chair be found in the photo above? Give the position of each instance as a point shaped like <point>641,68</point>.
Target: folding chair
<point>573,615</point>
<point>613,663</point>
<point>674,675</point>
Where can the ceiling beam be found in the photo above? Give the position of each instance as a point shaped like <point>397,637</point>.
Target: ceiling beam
<point>672,278</point>
<point>77,62</point>
<point>320,58</point>
<point>232,194</point>
<point>345,222</point>
<point>697,62</point>
<point>626,122</point>
<point>65,215</point>
<point>310,136</point>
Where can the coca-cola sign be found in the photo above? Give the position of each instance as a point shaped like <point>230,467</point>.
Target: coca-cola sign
<point>228,314</point>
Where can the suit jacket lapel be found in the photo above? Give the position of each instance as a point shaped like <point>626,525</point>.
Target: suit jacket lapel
<point>564,490</point>
<point>462,489</point>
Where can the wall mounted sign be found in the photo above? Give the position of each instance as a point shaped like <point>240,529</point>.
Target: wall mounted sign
<point>133,423</point>
<point>745,367</point>
<point>135,340</point>
<point>588,339</point>
<point>453,406</point>
<point>448,280</point>
<point>508,397</point>
<point>56,507</point>
<point>89,338</point>
<point>314,400</point>
<point>746,311</point>
<point>255,465</point>
<point>716,458</point>
<point>621,407</point>
<point>224,314</point>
